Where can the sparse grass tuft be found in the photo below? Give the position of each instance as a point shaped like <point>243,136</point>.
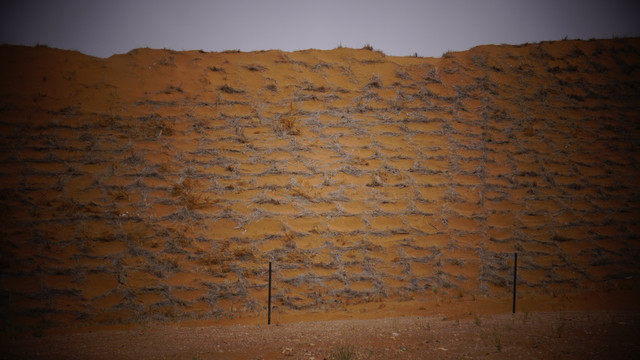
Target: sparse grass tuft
<point>229,90</point>
<point>370,48</point>
<point>375,181</point>
<point>343,353</point>
<point>173,89</point>
<point>402,74</point>
<point>272,87</point>
<point>497,342</point>
<point>187,196</point>
<point>152,126</point>
<point>118,193</point>
<point>375,82</point>
<point>168,61</point>
<point>243,254</point>
<point>305,190</point>
<point>254,67</point>
<point>289,125</point>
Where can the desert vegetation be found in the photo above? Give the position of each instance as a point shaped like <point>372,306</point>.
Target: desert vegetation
<point>157,185</point>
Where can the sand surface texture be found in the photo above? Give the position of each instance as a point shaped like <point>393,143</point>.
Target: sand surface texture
<point>540,335</point>
<point>156,186</point>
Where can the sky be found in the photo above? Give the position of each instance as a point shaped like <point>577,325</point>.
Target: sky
<point>396,27</point>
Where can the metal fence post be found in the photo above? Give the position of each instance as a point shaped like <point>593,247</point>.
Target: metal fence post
<point>515,272</point>
<point>269,308</point>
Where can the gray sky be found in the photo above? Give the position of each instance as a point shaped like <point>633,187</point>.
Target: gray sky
<point>397,27</point>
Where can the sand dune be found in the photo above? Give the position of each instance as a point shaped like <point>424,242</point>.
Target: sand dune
<point>157,185</point>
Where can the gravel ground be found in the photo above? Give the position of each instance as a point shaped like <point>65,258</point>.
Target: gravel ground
<point>550,335</point>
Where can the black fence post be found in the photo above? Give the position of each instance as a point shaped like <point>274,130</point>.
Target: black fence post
<point>515,274</point>
<point>269,308</point>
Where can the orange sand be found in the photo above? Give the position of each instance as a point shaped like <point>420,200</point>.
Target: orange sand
<point>157,185</point>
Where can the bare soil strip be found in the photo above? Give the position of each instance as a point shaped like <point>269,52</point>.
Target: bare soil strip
<point>547,335</point>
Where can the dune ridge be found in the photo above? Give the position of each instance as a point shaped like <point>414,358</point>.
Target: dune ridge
<point>157,185</point>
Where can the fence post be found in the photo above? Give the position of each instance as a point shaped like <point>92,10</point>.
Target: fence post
<point>269,308</point>
<point>515,272</point>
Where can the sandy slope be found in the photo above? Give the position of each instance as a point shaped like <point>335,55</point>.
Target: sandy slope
<point>157,185</point>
